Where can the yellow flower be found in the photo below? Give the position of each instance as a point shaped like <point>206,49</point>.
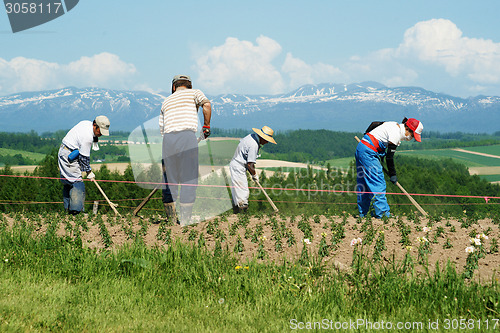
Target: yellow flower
<point>238,267</point>
<point>246,267</point>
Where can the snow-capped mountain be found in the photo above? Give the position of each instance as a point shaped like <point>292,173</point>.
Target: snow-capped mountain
<point>331,106</point>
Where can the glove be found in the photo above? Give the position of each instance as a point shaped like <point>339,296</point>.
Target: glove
<point>255,178</point>
<point>90,175</point>
<point>394,179</point>
<point>206,131</point>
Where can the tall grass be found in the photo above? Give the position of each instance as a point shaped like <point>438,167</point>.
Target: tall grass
<point>52,283</point>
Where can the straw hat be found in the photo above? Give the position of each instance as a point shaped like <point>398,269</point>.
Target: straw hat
<point>265,133</point>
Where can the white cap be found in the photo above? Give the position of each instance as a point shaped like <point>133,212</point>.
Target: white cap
<point>103,123</point>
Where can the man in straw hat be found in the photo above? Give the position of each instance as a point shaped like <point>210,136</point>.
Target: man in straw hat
<point>380,140</point>
<point>178,126</point>
<point>74,160</point>
<point>244,159</point>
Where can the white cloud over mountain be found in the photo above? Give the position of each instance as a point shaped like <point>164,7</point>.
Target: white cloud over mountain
<point>103,70</point>
<point>433,54</point>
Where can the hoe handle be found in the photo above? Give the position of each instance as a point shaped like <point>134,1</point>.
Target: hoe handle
<point>112,205</point>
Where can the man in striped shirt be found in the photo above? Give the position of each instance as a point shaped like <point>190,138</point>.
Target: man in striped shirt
<point>178,126</point>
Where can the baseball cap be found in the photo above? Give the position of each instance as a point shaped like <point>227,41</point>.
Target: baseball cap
<point>417,127</point>
<point>181,77</point>
<point>103,123</point>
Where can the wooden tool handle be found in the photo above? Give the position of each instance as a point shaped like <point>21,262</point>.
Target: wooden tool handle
<point>267,197</point>
<point>112,205</point>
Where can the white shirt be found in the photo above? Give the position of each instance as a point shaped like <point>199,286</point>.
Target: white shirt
<point>80,137</point>
<point>389,131</point>
<point>247,149</point>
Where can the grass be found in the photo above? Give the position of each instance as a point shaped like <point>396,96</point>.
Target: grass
<point>222,152</point>
<point>470,160</point>
<point>34,156</point>
<point>340,163</point>
<point>492,150</point>
<point>491,178</point>
<point>52,283</point>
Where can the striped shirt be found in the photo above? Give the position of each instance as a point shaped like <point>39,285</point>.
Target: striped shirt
<point>179,111</point>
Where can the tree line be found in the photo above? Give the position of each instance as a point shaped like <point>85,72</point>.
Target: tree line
<point>417,176</point>
<point>293,145</point>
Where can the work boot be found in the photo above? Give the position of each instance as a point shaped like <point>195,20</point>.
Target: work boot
<point>236,209</point>
<point>243,208</point>
<point>185,213</point>
<point>170,210</point>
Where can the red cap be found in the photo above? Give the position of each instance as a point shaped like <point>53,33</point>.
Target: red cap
<point>416,126</point>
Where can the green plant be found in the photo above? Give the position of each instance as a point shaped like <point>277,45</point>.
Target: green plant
<point>239,247</point>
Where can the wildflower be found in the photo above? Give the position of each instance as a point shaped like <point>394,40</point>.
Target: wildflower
<point>6,260</point>
<point>475,241</point>
<point>238,267</point>
<point>469,249</point>
<point>246,267</point>
<point>323,234</point>
<point>482,236</point>
<point>408,248</point>
<point>427,229</point>
<point>422,239</point>
<point>356,241</point>
<point>221,301</point>
<point>307,241</point>
<point>263,238</point>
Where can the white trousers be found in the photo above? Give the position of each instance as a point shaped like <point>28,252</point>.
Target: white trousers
<point>240,191</point>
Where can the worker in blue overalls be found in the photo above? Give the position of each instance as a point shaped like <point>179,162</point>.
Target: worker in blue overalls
<point>380,139</point>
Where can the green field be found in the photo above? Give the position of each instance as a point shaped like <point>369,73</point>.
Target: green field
<point>35,156</point>
<point>340,163</point>
<point>492,150</point>
<point>221,150</point>
<point>470,160</point>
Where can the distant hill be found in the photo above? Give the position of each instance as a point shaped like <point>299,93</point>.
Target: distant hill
<point>323,106</point>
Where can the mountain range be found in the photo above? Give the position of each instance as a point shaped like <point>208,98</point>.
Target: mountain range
<point>337,107</point>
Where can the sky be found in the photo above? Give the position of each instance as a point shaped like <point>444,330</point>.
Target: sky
<point>258,47</point>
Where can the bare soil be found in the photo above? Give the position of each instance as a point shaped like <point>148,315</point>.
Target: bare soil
<point>340,256</point>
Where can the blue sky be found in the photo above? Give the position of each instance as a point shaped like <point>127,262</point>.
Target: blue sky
<point>258,47</point>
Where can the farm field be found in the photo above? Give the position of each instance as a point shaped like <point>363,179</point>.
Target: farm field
<point>242,273</point>
<point>470,160</point>
<point>34,156</point>
<point>477,159</point>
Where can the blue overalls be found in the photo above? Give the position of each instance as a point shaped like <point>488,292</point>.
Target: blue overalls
<point>370,177</point>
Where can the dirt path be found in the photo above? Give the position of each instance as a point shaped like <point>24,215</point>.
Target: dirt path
<point>475,153</point>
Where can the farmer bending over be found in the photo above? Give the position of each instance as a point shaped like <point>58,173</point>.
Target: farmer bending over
<point>244,159</point>
<point>74,160</point>
<point>380,139</point>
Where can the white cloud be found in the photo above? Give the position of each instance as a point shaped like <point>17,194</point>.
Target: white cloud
<point>441,42</point>
<point>301,73</point>
<point>103,70</point>
<point>238,66</point>
<point>434,54</point>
